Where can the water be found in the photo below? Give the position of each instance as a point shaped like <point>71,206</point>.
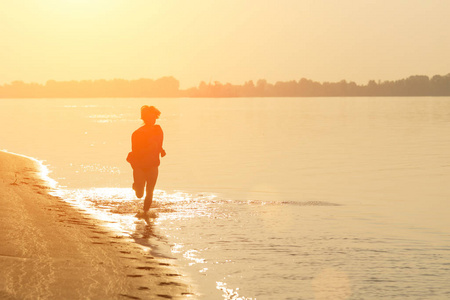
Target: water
<point>291,198</point>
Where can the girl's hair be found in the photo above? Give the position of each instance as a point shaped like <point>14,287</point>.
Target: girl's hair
<point>149,112</point>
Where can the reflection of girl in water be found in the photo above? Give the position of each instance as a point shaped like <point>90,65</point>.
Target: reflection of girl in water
<point>146,145</point>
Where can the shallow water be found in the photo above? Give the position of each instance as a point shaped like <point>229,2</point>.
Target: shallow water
<point>335,198</point>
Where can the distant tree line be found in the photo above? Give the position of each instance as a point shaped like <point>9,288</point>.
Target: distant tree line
<point>163,87</point>
<point>411,86</point>
<point>417,85</point>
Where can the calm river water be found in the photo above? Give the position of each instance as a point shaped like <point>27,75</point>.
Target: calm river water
<point>266,198</point>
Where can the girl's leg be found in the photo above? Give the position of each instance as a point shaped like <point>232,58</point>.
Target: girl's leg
<point>139,182</point>
<point>151,175</point>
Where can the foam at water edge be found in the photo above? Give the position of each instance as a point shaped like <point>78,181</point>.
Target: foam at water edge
<point>43,171</point>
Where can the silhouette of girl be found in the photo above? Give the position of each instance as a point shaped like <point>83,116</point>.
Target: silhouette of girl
<point>146,147</point>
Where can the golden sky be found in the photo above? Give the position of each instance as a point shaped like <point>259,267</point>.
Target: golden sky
<point>227,41</point>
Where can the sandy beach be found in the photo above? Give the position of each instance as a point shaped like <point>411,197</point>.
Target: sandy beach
<point>52,250</point>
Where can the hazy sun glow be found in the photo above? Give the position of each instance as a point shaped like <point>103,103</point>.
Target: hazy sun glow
<point>229,41</point>
<point>75,8</point>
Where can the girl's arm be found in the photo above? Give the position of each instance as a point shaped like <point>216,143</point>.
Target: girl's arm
<point>162,151</point>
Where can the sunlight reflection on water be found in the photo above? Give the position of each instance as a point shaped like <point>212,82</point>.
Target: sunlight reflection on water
<point>214,239</point>
<point>117,206</point>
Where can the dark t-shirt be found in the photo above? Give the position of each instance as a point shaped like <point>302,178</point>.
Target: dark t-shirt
<point>146,145</point>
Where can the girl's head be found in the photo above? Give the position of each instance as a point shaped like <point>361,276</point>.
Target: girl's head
<point>149,114</point>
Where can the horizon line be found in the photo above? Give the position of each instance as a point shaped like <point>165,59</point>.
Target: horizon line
<point>217,81</point>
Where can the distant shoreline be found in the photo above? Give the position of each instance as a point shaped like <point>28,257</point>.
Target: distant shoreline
<point>169,87</point>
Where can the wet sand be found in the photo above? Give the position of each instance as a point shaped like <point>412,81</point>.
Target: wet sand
<point>52,250</point>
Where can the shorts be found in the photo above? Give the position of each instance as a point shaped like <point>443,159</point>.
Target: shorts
<point>144,179</point>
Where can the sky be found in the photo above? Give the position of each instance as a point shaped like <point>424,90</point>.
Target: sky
<point>223,40</point>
